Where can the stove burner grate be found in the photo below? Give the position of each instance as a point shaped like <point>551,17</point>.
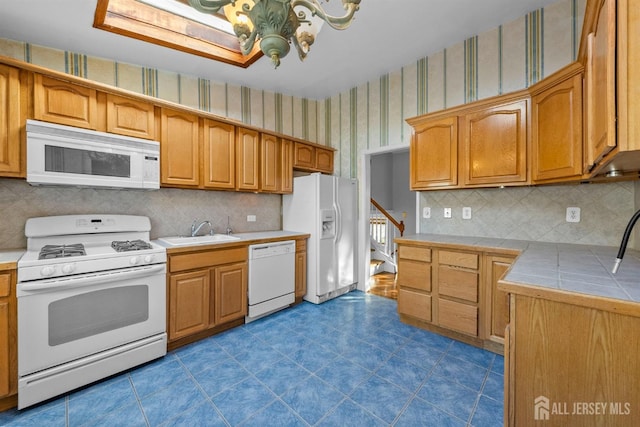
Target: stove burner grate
<point>61,251</point>
<point>130,245</point>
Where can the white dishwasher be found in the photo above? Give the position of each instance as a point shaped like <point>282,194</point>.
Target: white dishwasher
<point>271,278</point>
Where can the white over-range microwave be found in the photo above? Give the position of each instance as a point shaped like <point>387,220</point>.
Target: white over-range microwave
<point>65,155</point>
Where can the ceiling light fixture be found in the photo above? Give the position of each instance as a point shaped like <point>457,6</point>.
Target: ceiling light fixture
<point>276,23</point>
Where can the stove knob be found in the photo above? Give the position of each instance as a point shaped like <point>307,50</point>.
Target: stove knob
<point>148,258</point>
<point>47,270</point>
<point>68,268</point>
<point>134,260</point>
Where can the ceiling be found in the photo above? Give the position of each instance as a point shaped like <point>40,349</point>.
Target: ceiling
<point>372,46</point>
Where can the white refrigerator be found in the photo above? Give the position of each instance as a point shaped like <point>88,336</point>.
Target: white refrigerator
<point>325,206</point>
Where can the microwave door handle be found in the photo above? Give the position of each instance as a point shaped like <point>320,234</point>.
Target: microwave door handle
<point>92,279</point>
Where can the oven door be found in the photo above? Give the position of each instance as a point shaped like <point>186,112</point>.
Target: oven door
<point>69,318</point>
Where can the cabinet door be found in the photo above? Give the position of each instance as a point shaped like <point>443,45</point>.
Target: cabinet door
<point>8,335</point>
<point>219,155</point>
<point>495,145</point>
<point>433,154</point>
<point>188,303</point>
<point>324,160</point>
<point>497,306</point>
<point>179,161</point>
<point>64,103</point>
<point>130,117</point>
<point>230,292</point>
<point>304,156</point>
<point>269,163</point>
<point>301,273</point>
<point>556,131</point>
<point>10,106</point>
<point>247,159</point>
<point>286,166</point>
<point>601,85</point>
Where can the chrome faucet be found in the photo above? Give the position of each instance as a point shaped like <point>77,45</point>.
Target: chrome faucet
<point>195,229</point>
<point>229,229</point>
<point>625,240</point>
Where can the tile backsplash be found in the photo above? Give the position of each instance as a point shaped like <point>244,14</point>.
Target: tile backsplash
<point>534,213</point>
<point>171,210</point>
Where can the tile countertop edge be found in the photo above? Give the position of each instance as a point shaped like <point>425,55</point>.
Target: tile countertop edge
<point>244,240</point>
<point>554,265</point>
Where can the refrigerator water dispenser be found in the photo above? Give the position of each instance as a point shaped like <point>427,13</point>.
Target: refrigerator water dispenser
<point>328,218</point>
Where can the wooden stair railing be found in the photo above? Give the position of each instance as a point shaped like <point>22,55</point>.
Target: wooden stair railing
<point>398,225</point>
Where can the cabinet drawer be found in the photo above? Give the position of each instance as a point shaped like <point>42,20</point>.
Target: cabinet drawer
<point>458,316</point>
<point>189,261</point>
<point>459,259</point>
<point>414,274</point>
<point>458,283</point>
<point>5,285</point>
<point>414,304</point>
<point>415,252</point>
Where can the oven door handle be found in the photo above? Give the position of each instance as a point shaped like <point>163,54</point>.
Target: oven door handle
<point>92,279</point>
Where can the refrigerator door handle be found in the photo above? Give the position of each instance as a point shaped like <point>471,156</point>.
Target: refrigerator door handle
<point>336,206</point>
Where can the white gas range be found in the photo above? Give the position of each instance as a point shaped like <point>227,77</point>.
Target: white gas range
<point>91,301</point>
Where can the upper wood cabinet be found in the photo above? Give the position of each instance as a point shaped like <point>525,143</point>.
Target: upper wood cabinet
<point>179,149</point>
<point>494,145</point>
<point>324,160</point>
<point>11,144</point>
<point>434,153</point>
<point>312,158</point>
<point>286,166</point>
<point>126,116</point>
<point>270,158</point>
<point>600,83</point>
<point>218,155</point>
<point>247,159</point>
<point>612,87</point>
<point>65,103</point>
<point>556,127</point>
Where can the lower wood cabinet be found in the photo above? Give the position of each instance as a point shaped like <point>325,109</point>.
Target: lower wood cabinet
<point>568,353</point>
<point>453,291</point>
<point>207,293</point>
<point>8,340</point>
<point>301,269</point>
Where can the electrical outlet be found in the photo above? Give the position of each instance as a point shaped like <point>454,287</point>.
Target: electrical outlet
<point>447,212</point>
<point>426,213</point>
<point>573,214</point>
<point>251,218</point>
<point>466,212</point>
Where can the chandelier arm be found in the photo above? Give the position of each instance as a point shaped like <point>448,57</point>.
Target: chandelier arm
<point>301,53</point>
<point>247,45</point>
<point>209,6</point>
<point>336,22</point>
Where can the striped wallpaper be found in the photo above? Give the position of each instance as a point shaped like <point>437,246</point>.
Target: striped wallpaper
<point>510,57</point>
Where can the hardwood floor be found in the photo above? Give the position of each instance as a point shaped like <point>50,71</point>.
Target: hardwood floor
<point>384,285</point>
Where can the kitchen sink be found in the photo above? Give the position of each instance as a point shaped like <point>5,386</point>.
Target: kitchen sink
<point>197,240</point>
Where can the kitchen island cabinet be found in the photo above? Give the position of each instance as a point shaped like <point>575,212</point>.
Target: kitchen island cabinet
<point>565,349</point>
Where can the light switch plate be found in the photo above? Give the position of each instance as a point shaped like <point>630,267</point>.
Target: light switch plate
<point>466,212</point>
<point>426,213</point>
<point>447,212</point>
<point>251,218</point>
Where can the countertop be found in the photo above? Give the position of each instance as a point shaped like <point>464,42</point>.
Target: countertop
<point>243,239</point>
<point>582,269</point>
<point>9,258</point>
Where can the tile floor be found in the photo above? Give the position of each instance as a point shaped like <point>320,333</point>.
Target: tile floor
<point>347,362</point>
